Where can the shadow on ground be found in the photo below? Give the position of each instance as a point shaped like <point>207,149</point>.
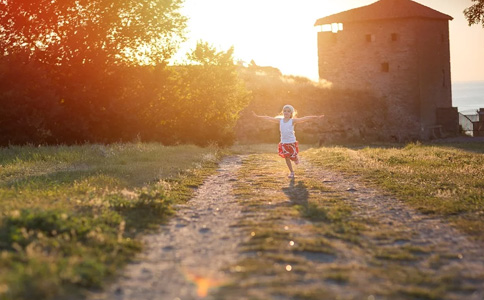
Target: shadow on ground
<point>297,193</point>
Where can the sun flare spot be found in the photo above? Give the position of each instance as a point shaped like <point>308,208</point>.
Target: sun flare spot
<point>203,283</point>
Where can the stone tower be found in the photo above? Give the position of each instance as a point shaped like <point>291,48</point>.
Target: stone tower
<point>398,49</point>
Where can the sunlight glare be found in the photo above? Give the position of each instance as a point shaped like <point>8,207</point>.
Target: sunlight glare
<point>257,29</point>
<point>281,33</point>
<point>333,27</point>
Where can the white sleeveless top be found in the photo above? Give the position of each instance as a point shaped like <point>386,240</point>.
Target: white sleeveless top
<point>287,132</point>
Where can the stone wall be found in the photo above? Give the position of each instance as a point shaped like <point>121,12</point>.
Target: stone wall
<point>406,61</point>
<point>434,71</point>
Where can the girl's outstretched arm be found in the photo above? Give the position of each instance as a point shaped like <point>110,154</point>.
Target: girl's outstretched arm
<point>267,118</point>
<point>306,118</point>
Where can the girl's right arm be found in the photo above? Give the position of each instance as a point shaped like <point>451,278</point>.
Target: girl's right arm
<point>267,118</point>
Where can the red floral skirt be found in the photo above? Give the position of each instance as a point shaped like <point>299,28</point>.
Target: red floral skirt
<point>290,150</point>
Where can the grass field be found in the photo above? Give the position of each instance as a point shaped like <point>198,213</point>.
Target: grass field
<point>446,180</point>
<point>442,179</point>
<point>307,242</point>
<point>70,215</point>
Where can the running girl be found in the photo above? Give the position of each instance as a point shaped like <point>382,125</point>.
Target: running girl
<point>288,147</point>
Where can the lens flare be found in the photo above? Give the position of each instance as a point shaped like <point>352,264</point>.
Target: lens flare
<point>203,283</point>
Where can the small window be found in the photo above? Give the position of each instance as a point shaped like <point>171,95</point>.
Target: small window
<point>385,67</point>
<point>370,38</point>
<point>394,37</point>
<point>334,27</point>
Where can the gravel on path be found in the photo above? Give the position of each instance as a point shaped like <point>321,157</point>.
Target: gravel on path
<point>187,257</point>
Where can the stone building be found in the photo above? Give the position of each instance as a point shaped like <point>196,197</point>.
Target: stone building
<point>398,49</point>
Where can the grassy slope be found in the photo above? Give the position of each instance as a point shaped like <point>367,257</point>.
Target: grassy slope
<point>447,180</point>
<point>70,215</point>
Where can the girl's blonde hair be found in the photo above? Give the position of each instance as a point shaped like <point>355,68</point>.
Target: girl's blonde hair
<point>293,111</point>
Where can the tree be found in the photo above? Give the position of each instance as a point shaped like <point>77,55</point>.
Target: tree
<point>70,69</point>
<point>475,13</point>
<point>211,97</point>
<point>91,31</point>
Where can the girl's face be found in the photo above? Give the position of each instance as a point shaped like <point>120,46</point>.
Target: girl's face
<point>287,113</point>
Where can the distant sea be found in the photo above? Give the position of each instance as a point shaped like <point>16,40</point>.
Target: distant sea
<point>468,96</point>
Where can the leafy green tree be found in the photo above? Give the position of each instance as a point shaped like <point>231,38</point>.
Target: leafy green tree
<point>95,71</point>
<point>99,31</point>
<point>211,97</point>
<point>70,71</point>
<point>475,13</point>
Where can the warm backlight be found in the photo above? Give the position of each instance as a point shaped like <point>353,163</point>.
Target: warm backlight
<point>278,33</point>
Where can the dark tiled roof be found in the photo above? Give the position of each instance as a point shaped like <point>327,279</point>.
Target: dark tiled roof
<point>384,9</point>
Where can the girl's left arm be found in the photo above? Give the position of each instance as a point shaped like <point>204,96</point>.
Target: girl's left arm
<point>306,118</point>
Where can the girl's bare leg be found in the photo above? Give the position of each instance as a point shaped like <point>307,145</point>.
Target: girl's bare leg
<point>289,165</point>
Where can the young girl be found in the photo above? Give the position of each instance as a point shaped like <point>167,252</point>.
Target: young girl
<point>288,147</point>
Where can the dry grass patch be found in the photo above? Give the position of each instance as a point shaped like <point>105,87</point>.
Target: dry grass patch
<point>439,179</point>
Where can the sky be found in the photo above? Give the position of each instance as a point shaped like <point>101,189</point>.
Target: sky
<point>281,33</point>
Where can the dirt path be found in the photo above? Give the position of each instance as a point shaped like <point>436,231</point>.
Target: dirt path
<point>250,233</point>
<point>188,256</point>
<point>427,244</point>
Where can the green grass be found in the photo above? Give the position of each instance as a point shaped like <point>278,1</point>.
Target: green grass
<point>446,180</point>
<point>307,225</point>
<point>70,216</point>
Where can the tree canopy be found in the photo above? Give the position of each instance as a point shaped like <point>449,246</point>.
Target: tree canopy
<point>475,13</point>
<point>76,71</point>
<point>66,32</point>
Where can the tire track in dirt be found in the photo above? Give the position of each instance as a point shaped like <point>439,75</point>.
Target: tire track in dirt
<point>436,248</point>
<point>188,256</point>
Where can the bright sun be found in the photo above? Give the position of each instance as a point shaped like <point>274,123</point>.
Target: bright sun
<point>280,33</point>
<point>270,32</point>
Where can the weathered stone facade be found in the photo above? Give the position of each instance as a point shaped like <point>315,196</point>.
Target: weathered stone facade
<point>402,56</point>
